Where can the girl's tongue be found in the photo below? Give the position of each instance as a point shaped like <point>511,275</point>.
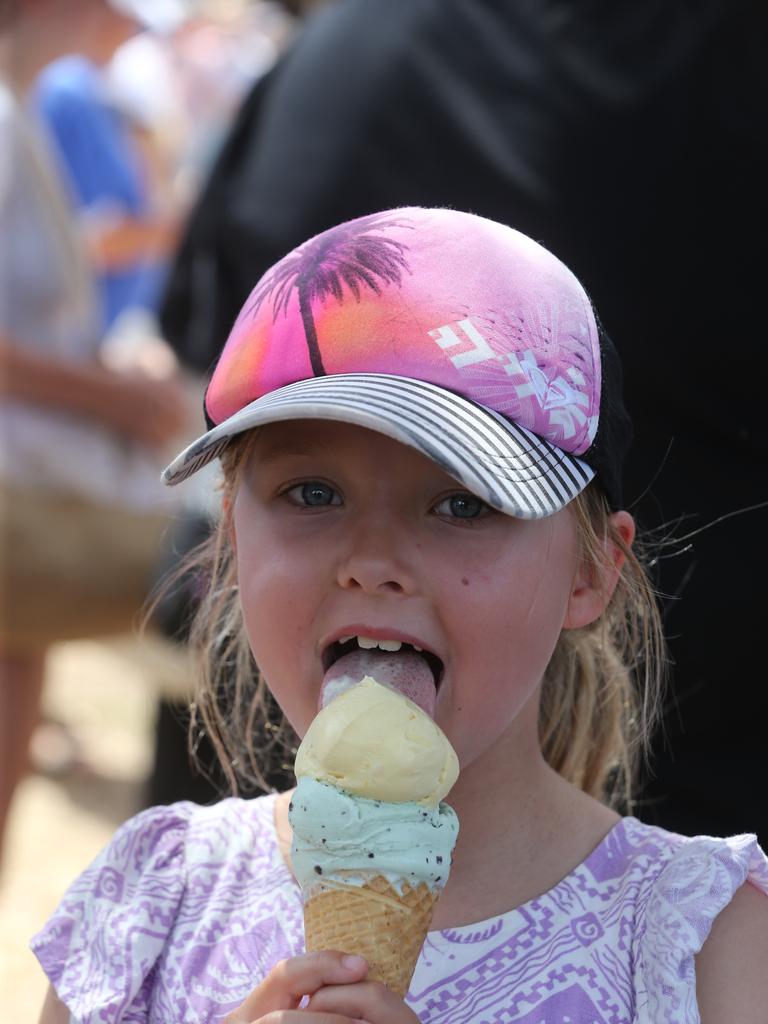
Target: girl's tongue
<point>404,671</point>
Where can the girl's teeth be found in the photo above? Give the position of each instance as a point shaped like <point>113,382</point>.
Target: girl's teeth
<point>368,644</point>
<point>390,645</point>
<point>345,639</point>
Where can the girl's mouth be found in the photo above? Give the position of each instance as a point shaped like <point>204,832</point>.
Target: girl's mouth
<point>414,672</point>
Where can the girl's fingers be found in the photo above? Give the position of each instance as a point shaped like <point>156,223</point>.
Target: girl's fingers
<point>290,980</point>
<point>368,1001</point>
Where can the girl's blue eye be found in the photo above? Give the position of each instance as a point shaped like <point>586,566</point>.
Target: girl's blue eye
<point>461,506</point>
<point>314,494</point>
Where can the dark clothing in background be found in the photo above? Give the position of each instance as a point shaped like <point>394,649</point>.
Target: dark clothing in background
<point>629,140</point>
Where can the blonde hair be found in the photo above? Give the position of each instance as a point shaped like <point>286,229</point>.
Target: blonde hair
<point>599,697</point>
<point>601,692</point>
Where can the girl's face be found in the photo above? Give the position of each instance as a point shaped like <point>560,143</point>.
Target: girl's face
<point>341,531</point>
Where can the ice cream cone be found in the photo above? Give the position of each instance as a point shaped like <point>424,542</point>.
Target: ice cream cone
<point>372,842</point>
<point>377,920</point>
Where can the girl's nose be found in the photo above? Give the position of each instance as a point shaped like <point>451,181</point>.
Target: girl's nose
<point>374,562</point>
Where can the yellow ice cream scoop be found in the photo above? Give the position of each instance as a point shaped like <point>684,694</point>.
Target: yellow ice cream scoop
<point>372,742</point>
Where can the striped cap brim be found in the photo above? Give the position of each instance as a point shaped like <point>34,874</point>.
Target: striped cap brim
<point>510,468</point>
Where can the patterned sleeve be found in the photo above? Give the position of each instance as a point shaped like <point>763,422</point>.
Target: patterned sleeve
<point>699,881</point>
<point>101,944</point>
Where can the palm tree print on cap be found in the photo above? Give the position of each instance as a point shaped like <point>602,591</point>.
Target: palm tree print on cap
<point>346,255</point>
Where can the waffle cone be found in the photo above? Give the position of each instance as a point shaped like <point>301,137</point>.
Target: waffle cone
<point>372,920</point>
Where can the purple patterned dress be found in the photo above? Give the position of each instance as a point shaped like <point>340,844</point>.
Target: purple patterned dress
<point>189,907</point>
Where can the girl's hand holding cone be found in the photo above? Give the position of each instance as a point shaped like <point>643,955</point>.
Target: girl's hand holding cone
<point>337,990</point>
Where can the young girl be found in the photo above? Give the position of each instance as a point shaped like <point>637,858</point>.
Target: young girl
<point>421,429</point>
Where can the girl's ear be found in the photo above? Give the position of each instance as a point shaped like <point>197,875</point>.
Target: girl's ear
<point>593,585</point>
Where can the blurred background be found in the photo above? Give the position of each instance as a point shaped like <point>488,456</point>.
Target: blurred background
<point>156,156</point>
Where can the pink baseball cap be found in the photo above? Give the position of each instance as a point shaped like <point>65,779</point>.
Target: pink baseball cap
<point>446,331</point>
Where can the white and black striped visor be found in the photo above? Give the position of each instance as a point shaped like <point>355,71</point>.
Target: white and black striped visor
<point>510,468</point>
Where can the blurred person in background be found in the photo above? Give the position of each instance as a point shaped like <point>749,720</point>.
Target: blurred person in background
<point>81,511</point>
<point>599,130</point>
<point>184,86</point>
<point>106,162</point>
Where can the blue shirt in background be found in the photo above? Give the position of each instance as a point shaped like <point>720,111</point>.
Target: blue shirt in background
<point>101,167</point>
